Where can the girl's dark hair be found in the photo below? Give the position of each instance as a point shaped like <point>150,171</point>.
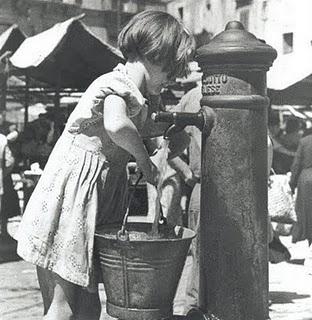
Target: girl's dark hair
<point>161,39</point>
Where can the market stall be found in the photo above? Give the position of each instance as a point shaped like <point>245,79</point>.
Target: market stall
<point>65,56</point>
<point>290,79</point>
<point>10,40</point>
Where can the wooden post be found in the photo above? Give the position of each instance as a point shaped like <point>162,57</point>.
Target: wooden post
<point>118,23</point>
<point>26,102</point>
<point>3,79</point>
<point>57,89</point>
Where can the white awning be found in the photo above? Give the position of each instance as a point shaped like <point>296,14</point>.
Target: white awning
<point>288,69</point>
<point>68,55</point>
<point>11,39</point>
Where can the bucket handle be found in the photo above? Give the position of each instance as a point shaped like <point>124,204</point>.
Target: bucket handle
<point>162,218</point>
<point>123,234</point>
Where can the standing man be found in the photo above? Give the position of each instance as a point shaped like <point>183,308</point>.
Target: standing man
<point>190,102</point>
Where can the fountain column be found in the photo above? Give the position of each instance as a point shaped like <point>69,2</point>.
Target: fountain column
<point>234,219</point>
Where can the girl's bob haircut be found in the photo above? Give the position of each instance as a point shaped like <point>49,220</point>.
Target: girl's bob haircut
<point>159,38</point>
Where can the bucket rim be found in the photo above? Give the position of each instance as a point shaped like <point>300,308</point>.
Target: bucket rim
<point>192,234</point>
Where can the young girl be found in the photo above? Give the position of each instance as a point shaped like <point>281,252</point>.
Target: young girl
<point>84,182</point>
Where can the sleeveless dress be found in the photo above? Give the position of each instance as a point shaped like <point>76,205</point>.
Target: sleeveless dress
<point>84,184</point>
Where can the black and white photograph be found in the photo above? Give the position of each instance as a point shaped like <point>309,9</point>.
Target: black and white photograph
<point>155,160</point>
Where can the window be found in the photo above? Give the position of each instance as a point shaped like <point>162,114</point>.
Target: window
<point>244,18</point>
<point>264,10</point>
<point>208,4</point>
<point>107,5</point>
<point>288,42</point>
<point>115,4</point>
<point>130,7</point>
<point>242,3</point>
<point>181,12</point>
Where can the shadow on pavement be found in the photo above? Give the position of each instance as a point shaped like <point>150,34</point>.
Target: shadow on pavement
<point>281,297</point>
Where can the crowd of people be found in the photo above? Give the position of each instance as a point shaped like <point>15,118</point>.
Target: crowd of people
<point>84,160</point>
<point>292,156</point>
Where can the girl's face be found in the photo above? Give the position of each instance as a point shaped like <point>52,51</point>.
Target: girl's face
<point>156,79</point>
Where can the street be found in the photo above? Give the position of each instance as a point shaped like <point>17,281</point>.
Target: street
<point>290,288</point>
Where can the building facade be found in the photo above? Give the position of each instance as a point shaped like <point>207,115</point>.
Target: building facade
<point>103,17</point>
<point>284,24</point>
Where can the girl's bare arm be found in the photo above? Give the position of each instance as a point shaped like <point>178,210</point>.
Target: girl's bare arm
<point>124,133</point>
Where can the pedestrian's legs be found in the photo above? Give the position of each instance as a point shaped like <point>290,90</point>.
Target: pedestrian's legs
<point>151,200</point>
<point>64,300</point>
<point>192,288</point>
<point>3,220</point>
<point>171,200</point>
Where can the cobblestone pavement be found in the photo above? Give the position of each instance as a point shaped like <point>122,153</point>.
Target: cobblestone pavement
<point>290,290</point>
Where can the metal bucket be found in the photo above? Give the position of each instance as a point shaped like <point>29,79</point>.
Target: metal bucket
<point>141,275</point>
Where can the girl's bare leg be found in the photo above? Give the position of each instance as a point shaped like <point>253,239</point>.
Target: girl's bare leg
<point>88,306</point>
<point>47,284</point>
<point>64,300</point>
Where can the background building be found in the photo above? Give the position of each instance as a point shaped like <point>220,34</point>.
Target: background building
<point>283,24</point>
<point>103,17</point>
<point>35,16</point>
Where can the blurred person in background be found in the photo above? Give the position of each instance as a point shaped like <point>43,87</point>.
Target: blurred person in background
<point>6,127</point>
<point>39,138</point>
<point>34,144</point>
<point>301,178</point>
<point>183,172</point>
<point>9,129</point>
<point>283,157</point>
<point>177,174</point>
<point>293,134</point>
<point>190,102</point>
<point>9,202</point>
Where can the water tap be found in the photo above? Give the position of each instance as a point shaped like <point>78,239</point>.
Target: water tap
<point>203,120</point>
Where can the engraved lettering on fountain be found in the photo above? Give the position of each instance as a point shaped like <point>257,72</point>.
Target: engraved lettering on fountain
<point>212,84</point>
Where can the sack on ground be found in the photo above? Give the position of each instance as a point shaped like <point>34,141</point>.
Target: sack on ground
<point>283,229</point>
<point>281,204</point>
<point>278,252</point>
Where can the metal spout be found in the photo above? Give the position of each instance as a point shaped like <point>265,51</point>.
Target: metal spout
<point>179,120</point>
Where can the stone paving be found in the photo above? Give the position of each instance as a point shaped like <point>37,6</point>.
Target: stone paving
<point>291,286</point>
<point>290,289</point>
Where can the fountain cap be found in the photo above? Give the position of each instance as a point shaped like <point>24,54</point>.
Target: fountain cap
<point>235,45</point>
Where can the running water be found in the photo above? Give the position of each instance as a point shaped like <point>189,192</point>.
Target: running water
<point>162,165</point>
